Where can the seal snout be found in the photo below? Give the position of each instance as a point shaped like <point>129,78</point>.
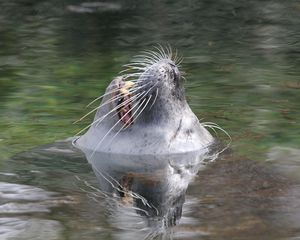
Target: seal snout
<point>161,75</point>
<point>167,70</point>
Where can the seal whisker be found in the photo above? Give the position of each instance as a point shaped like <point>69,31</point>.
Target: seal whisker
<point>211,123</point>
<point>103,117</point>
<point>120,188</point>
<point>147,62</point>
<point>179,61</point>
<point>130,109</point>
<point>152,55</point>
<point>159,55</point>
<point>154,98</point>
<point>135,113</point>
<point>105,103</point>
<point>137,88</point>
<point>132,68</point>
<point>107,93</point>
<point>143,107</point>
<point>142,69</point>
<point>108,132</point>
<point>210,127</point>
<point>124,126</point>
<point>169,50</point>
<point>112,185</point>
<point>141,95</point>
<point>137,64</point>
<point>118,96</point>
<point>145,58</point>
<point>87,184</point>
<point>136,74</point>
<point>132,76</point>
<point>141,62</point>
<point>214,125</point>
<point>115,90</point>
<point>162,52</point>
<point>136,97</point>
<point>175,56</point>
<point>148,90</point>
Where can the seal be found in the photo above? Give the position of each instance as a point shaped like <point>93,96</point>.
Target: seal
<point>144,189</point>
<point>144,111</point>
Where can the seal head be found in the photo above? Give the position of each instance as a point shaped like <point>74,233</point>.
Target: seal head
<point>144,111</point>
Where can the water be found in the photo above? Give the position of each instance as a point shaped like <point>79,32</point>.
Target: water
<point>241,60</point>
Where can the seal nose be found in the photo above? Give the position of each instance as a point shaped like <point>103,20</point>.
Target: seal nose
<point>169,68</point>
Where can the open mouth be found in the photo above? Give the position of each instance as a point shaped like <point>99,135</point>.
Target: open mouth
<point>125,103</point>
<point>125,112</point>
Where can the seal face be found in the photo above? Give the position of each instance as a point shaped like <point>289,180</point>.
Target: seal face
<point>144,111</point>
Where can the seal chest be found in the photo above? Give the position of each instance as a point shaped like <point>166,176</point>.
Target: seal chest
<point>144,111</point>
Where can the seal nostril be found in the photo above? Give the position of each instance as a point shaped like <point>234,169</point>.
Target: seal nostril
<point>174,75</point>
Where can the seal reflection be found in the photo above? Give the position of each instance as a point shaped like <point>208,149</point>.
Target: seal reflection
<point>145,193</point>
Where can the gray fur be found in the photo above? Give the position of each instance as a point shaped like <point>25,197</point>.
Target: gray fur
<point>168,127</point>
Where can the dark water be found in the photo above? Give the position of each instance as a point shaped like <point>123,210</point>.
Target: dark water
<point>241,60</point>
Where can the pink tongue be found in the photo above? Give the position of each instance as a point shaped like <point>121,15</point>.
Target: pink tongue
<point>127,120</point>
<point>126,114</point>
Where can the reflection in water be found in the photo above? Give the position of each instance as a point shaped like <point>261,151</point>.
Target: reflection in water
<point>143,197</point>
<point>145,193</point>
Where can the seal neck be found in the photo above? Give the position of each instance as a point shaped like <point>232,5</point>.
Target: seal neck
<point>165,110</point>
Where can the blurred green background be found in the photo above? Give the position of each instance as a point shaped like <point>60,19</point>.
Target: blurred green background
<point>241,60</point>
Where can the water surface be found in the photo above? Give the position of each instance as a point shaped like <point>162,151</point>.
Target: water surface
<point>241,61</point>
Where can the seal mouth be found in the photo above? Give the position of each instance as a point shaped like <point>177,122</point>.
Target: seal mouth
<point>125,102</point>
<point>125,112</point>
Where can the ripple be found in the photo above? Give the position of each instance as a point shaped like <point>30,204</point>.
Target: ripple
<point>11,191</point>
<point>22,228</point>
